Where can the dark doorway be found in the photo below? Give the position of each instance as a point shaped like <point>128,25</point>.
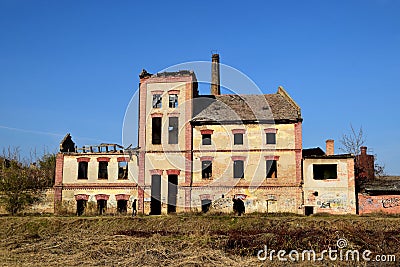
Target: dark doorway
<point>308,211</point>
<point>155,205</point>
<point>205,205</point>
<point>172,192</point>
<point>101,206</point>
<point>122,206</point>
<point>80,206</point>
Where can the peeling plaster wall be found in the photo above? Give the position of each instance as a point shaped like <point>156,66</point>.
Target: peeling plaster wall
<point>336,196</point>
<point>72,186</point>
<point>257,188</point>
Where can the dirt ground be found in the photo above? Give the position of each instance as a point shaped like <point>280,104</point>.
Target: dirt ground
<point>191,240</point>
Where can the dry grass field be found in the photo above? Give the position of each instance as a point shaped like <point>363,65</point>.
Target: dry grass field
<point>188,239</point>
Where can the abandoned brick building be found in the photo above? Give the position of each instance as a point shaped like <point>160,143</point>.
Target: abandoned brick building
<point>197,152</point>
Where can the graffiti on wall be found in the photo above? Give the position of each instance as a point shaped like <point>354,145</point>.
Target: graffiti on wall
<point>390,202</point>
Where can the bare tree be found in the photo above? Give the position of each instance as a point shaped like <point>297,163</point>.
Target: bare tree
<point>352,141</point>
<point>23,184</point>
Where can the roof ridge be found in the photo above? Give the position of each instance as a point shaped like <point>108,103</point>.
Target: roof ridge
<point>285,94</point>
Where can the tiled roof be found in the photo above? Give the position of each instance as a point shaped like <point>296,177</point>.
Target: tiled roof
<point>222,108</point>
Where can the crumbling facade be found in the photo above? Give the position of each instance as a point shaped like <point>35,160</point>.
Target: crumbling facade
<point>198,152</point>
<point>95,180</point>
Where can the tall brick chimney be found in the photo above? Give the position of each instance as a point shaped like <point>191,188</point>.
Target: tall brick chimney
<point>215,80</point>
<point>330,147</point>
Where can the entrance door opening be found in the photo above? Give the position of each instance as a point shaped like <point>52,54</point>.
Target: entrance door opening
<point>101,206</point>
<point>80,206</point>
<point>122,206</point>
<point>172,193</point>
<point>308,210</point>
<point>205,205</point>
<point>155,204</point>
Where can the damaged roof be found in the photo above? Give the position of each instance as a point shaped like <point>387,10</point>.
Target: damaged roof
<point>381,185</point>
<point>231,108</point>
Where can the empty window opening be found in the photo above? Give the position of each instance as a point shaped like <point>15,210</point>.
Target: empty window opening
<point>271,138</point>
<point>238,139</point>
<point>156,131</point>
<point>155,204</point>
<point>173,130</point>
<point>82,170</point>
<point>324,171</point>
<point>205,205</point>
<point>157,100</point>
<point>206,139</point>
<point>101,206</point>
<point>103,170</point>
<point>206,169</point>
<point>238,169</point>
<point>122,170</point>
<point>80,206</point>
<point>173,101</point>
<point>122,206</point>
<point>272,170</point>
<point>172,193</point>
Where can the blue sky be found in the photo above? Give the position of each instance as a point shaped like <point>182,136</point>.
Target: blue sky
<point>72,66</point>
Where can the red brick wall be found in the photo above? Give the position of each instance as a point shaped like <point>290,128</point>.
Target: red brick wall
<point>58,181</point>
<point>298,137</point>
<point>383,203</point>
<point>365,164</point>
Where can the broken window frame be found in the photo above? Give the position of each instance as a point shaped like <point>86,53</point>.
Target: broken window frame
<point>173,101</point>
<point>206,169</point>
<point>103,170</point>
<point>206,139</point>
<point>325,171</point>
<point>157,101</point>
<point>238,139</point>
<point>271,169</point>
<point>122,170</point>
<point>173,129</point>
<point>238,169</point>
<point>83,170</point>
<point>270,138</point>
<point>156,130</point>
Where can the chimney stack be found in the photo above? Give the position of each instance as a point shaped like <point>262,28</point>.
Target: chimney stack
<point>215,88</point>
<point>363,150</point>
<point>330,147</point>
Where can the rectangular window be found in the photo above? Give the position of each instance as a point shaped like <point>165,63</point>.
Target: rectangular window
<point>173,130</point>
<point>206,139</point>
<point>122,170</point>
<point>271,138</point>
<point>238,169</point>
<point>206,169</point>
<point>157,99</point>
<point>238,139</point>
<point>173,101</point>
<point>272,170</point>
<point>324,171</point>
<point>156,131</point>
<point>82,170</point>
<point>103,170</point>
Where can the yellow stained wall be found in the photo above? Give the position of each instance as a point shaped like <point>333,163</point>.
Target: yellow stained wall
<point>92,186</point>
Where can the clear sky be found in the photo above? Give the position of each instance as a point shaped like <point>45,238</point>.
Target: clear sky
<point>72,66</point>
